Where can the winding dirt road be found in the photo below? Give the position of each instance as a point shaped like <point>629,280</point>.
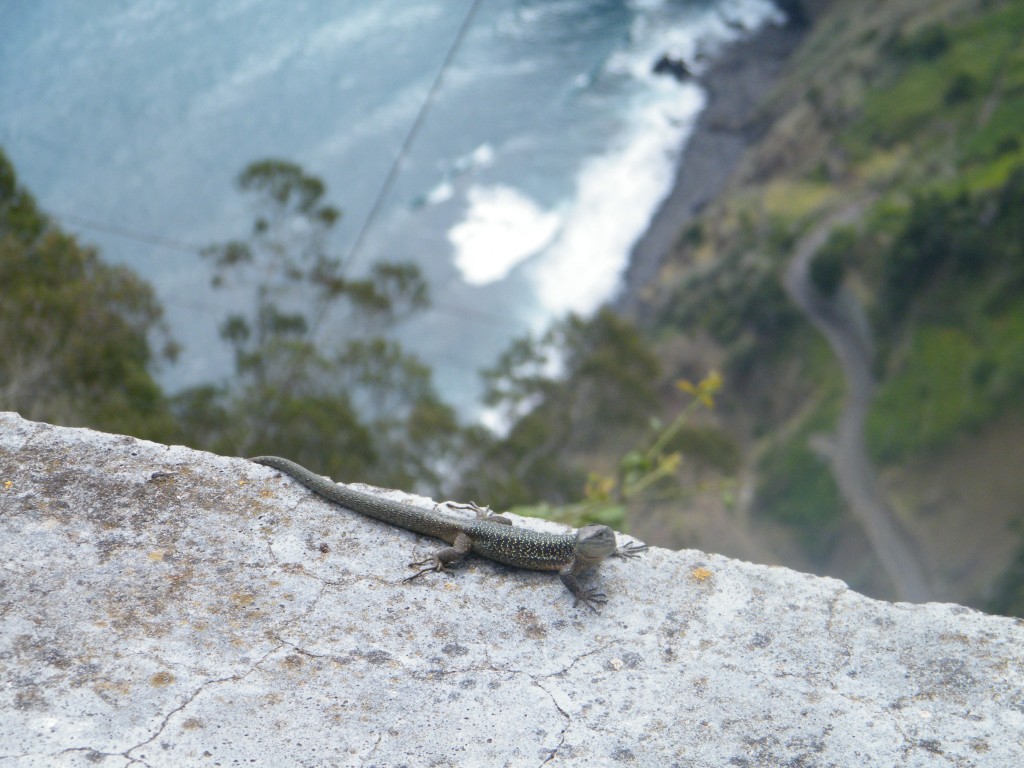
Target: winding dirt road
<point>843,323</point>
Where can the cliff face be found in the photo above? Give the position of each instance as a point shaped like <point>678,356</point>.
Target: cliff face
<point>161,606</point>
<point>878,105</point>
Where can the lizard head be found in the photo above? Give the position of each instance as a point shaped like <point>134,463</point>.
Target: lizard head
<point>595,542</point>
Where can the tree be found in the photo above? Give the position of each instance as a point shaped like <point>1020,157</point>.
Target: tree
<point>560,394</point>
<point>350,402</point>
<point>75,331</point>
<point>829,265</point>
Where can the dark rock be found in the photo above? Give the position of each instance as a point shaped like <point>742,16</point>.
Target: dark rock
<point>796,12</point>
<point>669,65</point>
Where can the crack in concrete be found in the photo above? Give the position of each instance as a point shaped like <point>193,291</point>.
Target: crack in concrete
<point>238,677</point>
<point>373,749</point>
<point>465,663</point>
<point>538,681</point>
<point>567,722</point>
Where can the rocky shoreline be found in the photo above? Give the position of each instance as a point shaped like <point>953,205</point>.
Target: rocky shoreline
<point>736,84</point>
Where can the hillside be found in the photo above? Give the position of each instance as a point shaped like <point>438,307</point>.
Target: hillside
<point>903,120</point>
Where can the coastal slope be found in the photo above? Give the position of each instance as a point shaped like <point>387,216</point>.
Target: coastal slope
<point>910,112</point>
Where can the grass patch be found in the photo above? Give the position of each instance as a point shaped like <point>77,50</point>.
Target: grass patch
<point>929,399</point>
<point>952,379</point>
<point>932,87</point>
<point>796,199</point>
<point>994,174</point>
<point>882,164</point>
<point>795,485</point>
<point>896,113</point>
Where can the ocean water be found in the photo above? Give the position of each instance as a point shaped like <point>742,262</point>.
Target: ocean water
<point>548,146</point>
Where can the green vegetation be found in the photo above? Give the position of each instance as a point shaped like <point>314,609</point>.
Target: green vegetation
<point>360,406</point>
<point>709,445</point>
<point>950,380</point>
<point>829,265</point>
<point>967,80</point>
<point>564,395</point>
<point>930,399</point>
<point>925,44</point>
<point>942,238</point>
<point>740,296</point>
<point>795,483</point>
<point>646,472</point>
<point>76,331</point>
<point>959,264</point>
<point>796,487</point>
<point>917,109</point>
<point>77,347</point>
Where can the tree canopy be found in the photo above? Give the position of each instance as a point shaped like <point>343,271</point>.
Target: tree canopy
<point>316,377</point>
<point>75,331</point>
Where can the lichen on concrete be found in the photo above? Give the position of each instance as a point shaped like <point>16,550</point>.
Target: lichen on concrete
<point>163,607</point>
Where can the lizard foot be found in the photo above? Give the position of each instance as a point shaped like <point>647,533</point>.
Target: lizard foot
<point>592,598</point>
<point>632,549</point>
<point>443,557</point>
<point>482,513</point>
<point>431,564</point>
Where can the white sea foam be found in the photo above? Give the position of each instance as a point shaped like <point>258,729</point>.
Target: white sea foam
<point>502,228</point>
<point>617,192</point>
<point>615,195</point>
<point>583,246</point>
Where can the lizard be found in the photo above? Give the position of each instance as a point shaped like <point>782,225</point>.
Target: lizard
<point>489,535</point>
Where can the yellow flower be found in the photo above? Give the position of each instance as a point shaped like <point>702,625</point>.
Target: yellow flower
<point>705,390</point>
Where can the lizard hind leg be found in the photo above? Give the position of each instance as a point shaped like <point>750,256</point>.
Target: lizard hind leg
<point>443,557</point>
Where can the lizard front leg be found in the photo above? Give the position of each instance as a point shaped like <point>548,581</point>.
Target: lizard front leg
<point>589,596</point>
<point>632,549</point>
<point>443,557</point>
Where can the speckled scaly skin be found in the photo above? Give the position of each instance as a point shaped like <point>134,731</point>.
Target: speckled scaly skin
<point>492,537</point>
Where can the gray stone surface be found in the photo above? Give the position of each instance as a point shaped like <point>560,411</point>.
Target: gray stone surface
<point>165,607</point>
